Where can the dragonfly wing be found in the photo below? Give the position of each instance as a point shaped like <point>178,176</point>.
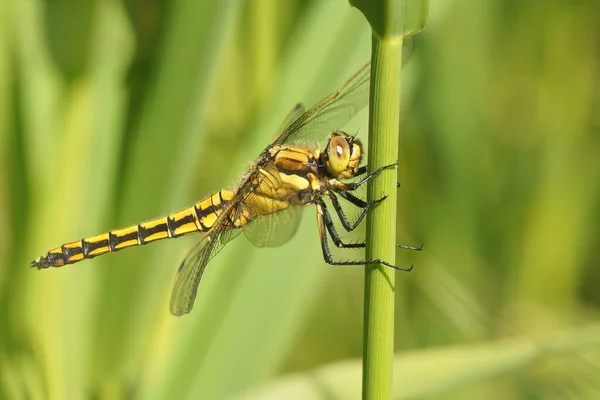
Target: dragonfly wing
<point>333,111</point>
<point>274,229</point>
<point>191,269</point>
<point>292,116</point>
<point>274,221</point>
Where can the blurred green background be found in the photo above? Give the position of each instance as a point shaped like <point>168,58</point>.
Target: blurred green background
<point>117,111</point>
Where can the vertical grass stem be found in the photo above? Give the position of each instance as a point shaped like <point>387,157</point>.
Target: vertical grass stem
<point>378,348</point>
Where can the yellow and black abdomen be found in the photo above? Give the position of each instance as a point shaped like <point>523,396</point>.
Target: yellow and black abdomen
<point>198,218</point>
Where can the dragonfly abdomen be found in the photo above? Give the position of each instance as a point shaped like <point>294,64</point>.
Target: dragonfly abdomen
<point>198,218</point>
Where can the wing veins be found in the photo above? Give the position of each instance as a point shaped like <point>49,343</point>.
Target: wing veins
<point>192,268</point>
<point>357,81</point>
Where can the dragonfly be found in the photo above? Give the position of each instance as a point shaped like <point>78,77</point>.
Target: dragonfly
<point>265,205</point>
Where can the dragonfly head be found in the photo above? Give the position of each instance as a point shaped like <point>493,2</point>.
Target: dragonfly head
<point>342,155</point>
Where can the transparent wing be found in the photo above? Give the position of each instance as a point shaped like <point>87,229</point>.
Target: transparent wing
<point>292,116</point>
<point>191,269</point>
<point>335,110</point>
<point>332,112</point>
<point>272,225</point>
<point>275,229</point>
<point>268,230</point>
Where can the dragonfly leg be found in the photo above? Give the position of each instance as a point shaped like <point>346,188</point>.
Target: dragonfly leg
<point>353,199</point>
<point>407,247</point>
<point>355,185</point>
<point>361,171</point>
<point>366,206</point>
<point>321,211</point>
<point>360,202</point>
<point>333,232</point>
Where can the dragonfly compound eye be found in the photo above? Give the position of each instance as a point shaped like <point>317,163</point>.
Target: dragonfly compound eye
<point>338,154</point>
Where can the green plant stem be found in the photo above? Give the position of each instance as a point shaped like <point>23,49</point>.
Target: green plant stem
<point>378,346</point>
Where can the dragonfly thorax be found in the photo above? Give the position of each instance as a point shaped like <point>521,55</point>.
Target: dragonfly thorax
<point>342,155</point>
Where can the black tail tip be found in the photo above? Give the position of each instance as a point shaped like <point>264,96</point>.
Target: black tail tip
<point>36,264</point>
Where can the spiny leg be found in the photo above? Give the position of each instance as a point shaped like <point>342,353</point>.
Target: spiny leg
<point>363,170</point>
<point>366,206</point>
<point>321,210</point>
<point>407,247</point>
<point>333,232</point>
<point>353,199</point>
<point>342,189</point>
<point>355,185</point>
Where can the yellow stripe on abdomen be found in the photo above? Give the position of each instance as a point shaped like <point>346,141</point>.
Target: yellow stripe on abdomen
<point>197,218</point>
<point>209,209</point>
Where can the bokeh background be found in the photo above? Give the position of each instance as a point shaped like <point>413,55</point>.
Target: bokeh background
<point>117,111</point>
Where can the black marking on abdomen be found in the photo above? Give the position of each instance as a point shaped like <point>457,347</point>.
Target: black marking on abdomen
<point>113,240</point>
<point>146,232</point>
<point>205,212</point>
<point>69,252</point>
<point>140,237</point>
<point>199,217</point>
<point>186,220</point>
<point>171,226</point>
<point>122,239</point>
<point>86,248</point>
<point>53,259</point>
<point>89,247</point>
<point>212,209</point>
<point>176,224</point>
